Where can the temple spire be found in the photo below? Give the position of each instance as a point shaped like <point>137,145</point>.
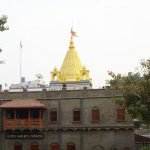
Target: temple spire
<point>71,69</point>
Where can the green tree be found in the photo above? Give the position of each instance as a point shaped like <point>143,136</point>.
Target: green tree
<point>145,148</point>
<point>3,21</point>
<point>136,91</point>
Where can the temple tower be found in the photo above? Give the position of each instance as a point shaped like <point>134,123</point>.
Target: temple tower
<point>72,74</point>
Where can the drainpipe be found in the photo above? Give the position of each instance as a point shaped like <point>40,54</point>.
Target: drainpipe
<point>60,124</point>
<point>81,124</point>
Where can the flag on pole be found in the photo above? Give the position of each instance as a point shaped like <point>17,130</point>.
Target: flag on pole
<point>20,44</point>
<point>73,33</point>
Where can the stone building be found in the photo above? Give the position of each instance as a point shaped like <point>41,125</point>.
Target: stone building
<point>69,115</point>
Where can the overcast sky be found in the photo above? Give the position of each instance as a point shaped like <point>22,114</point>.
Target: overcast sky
<point>112,35</point>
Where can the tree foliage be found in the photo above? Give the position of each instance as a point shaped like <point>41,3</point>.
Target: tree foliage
<point>136,91</point>
<point>115,81</point>
<point>3,21</point>
<point>145,148</point>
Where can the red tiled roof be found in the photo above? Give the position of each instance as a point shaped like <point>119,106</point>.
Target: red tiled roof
<point>22,104</point>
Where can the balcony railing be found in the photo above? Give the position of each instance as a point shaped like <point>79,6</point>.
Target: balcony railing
<point>22,123</point>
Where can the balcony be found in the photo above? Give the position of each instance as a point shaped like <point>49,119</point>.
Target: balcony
<point>22,123</point>
<point>23,114</point>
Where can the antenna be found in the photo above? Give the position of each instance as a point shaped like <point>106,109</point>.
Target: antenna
<point>39,76</point>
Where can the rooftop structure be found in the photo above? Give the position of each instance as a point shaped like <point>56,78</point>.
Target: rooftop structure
<point>72,73</point>
<point>68,115</point>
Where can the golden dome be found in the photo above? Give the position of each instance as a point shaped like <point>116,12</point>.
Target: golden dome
<point>71,69</point>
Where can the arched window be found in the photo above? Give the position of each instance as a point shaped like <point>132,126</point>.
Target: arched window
<point>70,146</point>
<point>95,115</point>
<point>54,146</point>
<point>76,114</point>
<point>120,114</point>
<point>34,147</point>
<point>18,146</point>
<point>53,115</point>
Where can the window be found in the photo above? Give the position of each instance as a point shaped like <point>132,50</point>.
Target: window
<point>10,114</point>
<point>54,147</point>
<point>70,146</point>
<point>76,115</point>
<point>95,115</point>
<point>35,113</point>
<point>17,147</point>
<point>21,113</point>
<point>34,147</point>
<point>53,115</point>
<point>120,114</point>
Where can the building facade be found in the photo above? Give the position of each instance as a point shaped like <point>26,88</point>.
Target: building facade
<point>68,120</point>
<point>68,115</point>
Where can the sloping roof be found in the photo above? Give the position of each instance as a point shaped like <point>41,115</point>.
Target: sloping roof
<point>22,104</point>
<point>141,139</point>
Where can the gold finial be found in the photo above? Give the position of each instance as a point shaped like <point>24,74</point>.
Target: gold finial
<point>73,33</point>
<point>71,69</point>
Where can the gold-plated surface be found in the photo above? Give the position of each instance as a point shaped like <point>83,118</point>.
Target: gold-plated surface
<point>71,69</point>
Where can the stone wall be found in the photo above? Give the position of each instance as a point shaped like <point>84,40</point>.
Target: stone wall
<point>88,140</point>
<point>107,134</point>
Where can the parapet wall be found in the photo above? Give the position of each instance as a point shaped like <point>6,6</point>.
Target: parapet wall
<point>87,93</point>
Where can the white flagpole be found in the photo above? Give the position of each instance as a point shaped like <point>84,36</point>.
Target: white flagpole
<point>20,61</point>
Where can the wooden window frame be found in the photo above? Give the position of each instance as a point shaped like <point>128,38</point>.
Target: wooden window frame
<point>55,144</point>
<point>71,146</point>
<point>121,115</point>
<point>53,115</point>
<point>96,115</point>
<point>76,115</point>
<point>34,145</point>
<point>17,144</point>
